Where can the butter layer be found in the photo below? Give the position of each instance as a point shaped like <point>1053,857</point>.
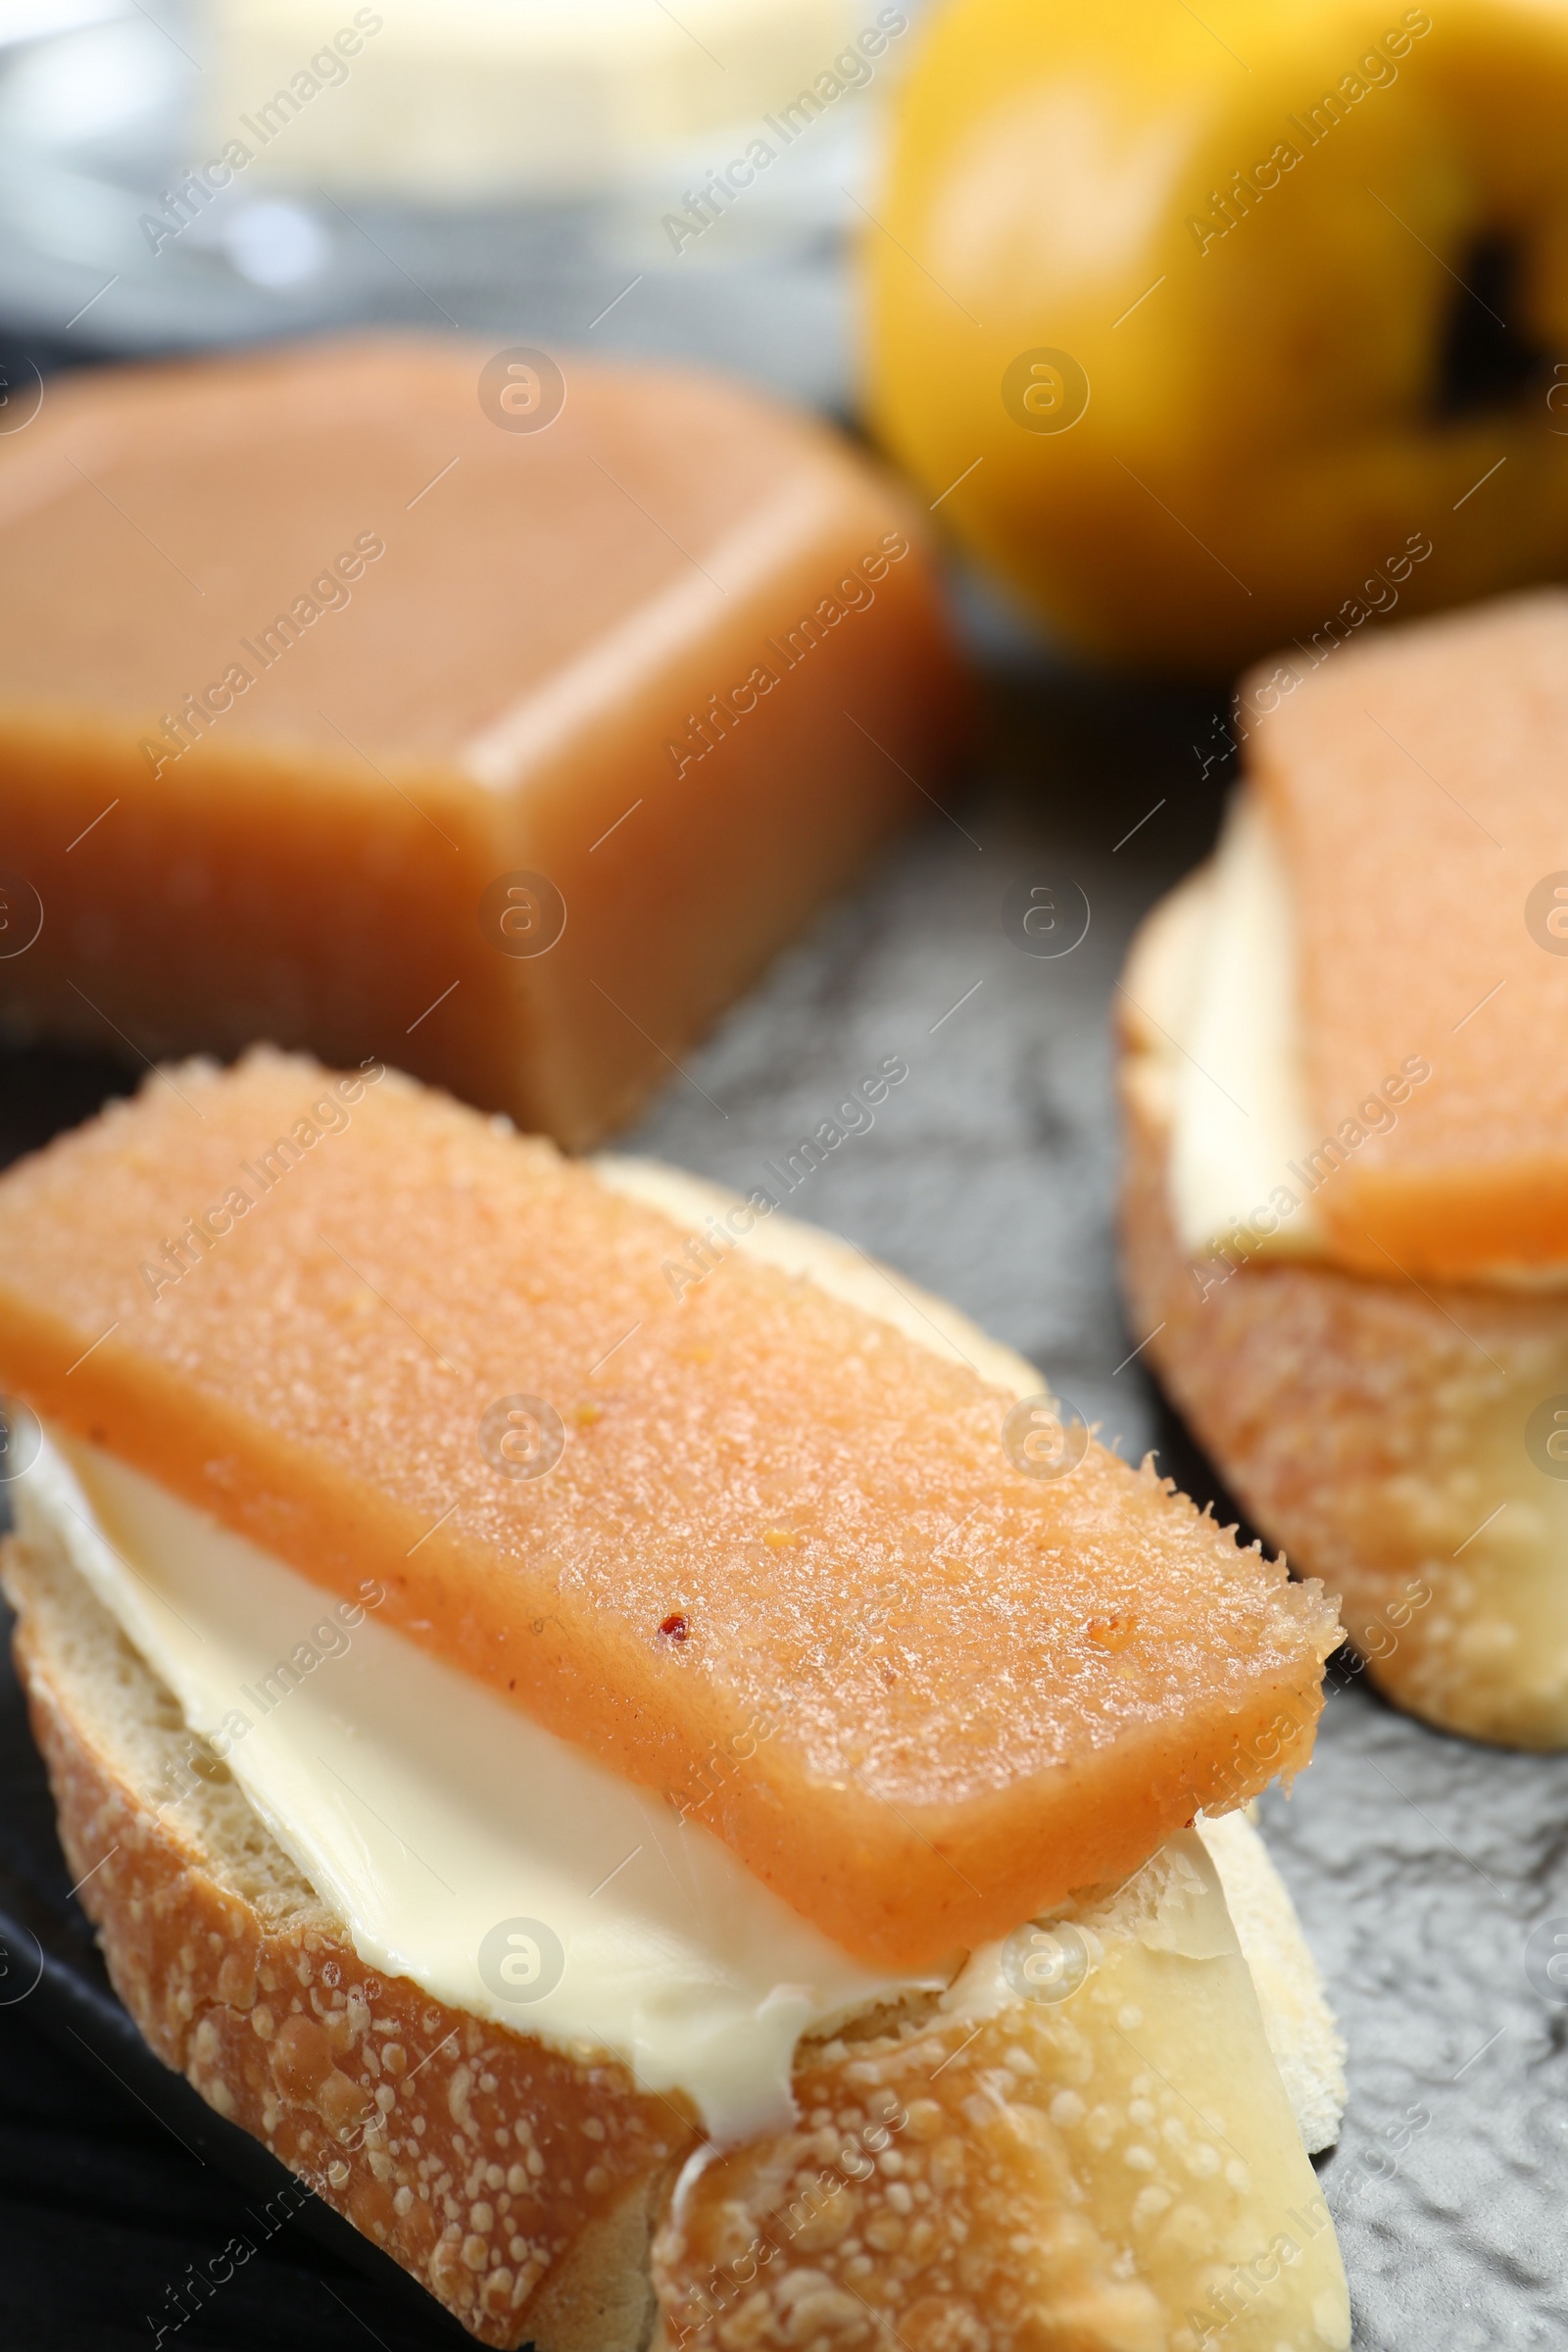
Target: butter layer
<point>429,1812</point>
<point>422,1808</point>
<point>1240,1113</point>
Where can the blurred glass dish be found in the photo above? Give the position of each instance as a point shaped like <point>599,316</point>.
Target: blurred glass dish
<point>197,171</point>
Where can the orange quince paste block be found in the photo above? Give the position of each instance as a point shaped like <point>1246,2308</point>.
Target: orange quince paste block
<point>735,1516</point>
<point>1419,782</point>
<point>496,717</point>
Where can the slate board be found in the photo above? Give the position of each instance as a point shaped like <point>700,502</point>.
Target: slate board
<point>1421,1865</point>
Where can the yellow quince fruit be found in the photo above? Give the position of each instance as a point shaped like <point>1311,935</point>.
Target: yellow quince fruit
<point>1217,325</point>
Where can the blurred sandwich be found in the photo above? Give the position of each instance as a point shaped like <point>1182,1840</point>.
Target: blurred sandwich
<point>1346,1216</point>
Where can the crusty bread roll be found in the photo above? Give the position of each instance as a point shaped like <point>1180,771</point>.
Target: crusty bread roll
<point>1117,2168</point>
<point>524,2186</point>
<point>1374,1430</point>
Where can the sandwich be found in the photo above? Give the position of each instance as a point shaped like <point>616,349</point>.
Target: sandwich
<point>648,1761</point>
<point>1345,1212</point>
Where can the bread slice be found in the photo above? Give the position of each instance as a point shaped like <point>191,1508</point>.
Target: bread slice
<point>523,2186</point>
<point>1376,1430</point>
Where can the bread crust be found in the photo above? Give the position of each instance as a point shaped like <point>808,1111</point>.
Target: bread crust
<point>1374,1430</point>
<point>519,2186</point>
